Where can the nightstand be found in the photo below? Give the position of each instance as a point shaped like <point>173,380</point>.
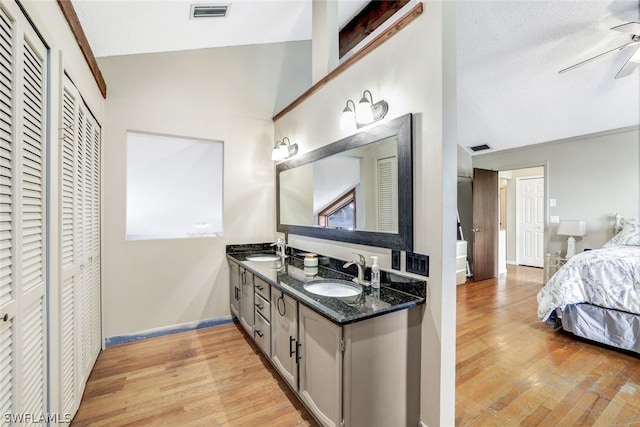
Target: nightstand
<point>554,262</point>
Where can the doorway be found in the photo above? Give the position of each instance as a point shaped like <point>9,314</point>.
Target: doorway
<point>521,218</point>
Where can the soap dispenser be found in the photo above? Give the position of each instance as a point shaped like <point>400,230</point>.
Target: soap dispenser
<point>375,273</point>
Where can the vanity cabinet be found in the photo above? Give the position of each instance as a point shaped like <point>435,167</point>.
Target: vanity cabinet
<point>246,301</point>
<point>363,373</point>
<point>284,333</point>
<point>235,288</point>
<point>262,315</point>
<point>319,354</point>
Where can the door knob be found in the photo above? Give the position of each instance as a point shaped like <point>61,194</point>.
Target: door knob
<point>475,230</point>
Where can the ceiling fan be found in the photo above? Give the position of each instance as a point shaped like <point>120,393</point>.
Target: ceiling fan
<point>634,44</point>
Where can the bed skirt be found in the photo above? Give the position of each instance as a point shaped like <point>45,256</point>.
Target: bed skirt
<point>611,327</point>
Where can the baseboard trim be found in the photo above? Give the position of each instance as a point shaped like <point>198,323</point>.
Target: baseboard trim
<point>173,329</point>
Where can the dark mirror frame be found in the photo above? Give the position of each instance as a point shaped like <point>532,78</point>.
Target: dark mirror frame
<point>402,128</point>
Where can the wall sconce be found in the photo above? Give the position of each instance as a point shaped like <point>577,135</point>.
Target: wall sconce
<point>366,113</point>
<point>284,149</point>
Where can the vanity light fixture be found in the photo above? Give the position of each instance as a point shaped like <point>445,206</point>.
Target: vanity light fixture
<point>348,118</point>
<point>366,113</point>
<point>283,150</point>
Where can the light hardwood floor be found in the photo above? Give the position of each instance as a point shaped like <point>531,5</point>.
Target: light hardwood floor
<point>511,370</point>
<point>208,377</point>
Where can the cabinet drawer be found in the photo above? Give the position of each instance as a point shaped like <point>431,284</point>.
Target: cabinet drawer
<point>262,288</point>
<point>262,334</point>
<point>263,307</point>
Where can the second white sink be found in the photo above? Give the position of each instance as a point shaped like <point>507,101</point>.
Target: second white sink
<point>333,288</point>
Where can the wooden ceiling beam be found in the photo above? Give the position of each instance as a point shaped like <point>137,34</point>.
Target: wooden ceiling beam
<point>374,14</point>
<point>76,28</point>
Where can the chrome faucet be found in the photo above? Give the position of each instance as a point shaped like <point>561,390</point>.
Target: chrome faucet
<point>361,264</point>
<point>281,247</point>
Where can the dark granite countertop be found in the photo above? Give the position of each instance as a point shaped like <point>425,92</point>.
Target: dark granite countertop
<point>289,277</point>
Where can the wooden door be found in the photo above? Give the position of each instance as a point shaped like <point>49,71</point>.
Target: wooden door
<point>320,359</point>
<point>531,221</point>
<point>485,224</point>
<point>284,333</point>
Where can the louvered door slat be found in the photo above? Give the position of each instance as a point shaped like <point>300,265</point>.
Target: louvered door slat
<point>6,366</point>
<point>32,197</point>
<point>68,345</point>
<point>7,77</point>
<point>33,355</point>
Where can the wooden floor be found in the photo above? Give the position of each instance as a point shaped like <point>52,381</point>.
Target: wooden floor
<point>207,377</point>
<point>513,370</point>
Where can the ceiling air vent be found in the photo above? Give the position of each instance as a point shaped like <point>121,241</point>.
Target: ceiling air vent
<point>477,148</point>
<point>209,11</point>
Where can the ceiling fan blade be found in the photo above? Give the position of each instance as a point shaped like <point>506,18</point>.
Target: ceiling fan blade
<point>596,57</point>
<point>629,27</point>
<point>631,64</point>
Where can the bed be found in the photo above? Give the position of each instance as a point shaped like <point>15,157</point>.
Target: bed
<point>596,294</point>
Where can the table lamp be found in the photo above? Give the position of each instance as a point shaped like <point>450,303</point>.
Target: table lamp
<point>572,228</point>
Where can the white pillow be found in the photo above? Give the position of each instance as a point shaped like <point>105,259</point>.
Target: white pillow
<point>628,236</point>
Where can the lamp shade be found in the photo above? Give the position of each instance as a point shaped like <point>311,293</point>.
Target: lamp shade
<point>572,228</point>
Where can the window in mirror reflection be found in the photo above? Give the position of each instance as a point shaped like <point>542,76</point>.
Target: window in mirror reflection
<point>341,213</point>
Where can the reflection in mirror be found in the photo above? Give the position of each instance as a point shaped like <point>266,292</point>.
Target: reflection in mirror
<point>349,190</point>
<point>353,190</point>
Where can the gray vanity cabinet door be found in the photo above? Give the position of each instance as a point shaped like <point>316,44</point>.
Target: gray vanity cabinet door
<point>320,364</point>
<point>234,288</point>
<point>284,333</point>
<point>246,301</point>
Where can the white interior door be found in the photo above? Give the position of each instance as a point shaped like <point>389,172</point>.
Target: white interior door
<point>530,225</point>
<point>23,122</point>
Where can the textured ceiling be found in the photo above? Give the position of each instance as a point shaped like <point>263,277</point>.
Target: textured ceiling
<point>508,56</point>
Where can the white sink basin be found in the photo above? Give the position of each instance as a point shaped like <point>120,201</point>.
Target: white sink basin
<point>263,257</point>
<point>333,288</point>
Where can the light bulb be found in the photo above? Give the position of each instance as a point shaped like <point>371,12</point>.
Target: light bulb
<point>364,113</point>
<point>348,119</point>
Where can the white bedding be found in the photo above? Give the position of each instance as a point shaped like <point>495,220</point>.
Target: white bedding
<point>607,277</point>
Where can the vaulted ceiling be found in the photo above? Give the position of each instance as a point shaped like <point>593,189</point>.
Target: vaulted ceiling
<point>508,56</point>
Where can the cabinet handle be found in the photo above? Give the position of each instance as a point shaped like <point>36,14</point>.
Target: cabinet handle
<point>259,306</point>
<point>284,305</point>
<point>260,288</point>
<point>260,334</point>
<point>291,350</point>
<point>5,317</point>
<point>237,289</point>
<point>298,357</point>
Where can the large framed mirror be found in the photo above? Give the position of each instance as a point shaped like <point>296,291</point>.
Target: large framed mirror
<point>356,190</point>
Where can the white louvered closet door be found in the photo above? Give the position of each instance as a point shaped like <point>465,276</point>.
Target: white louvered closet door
<point>80,246</point>
<point>387,170</point>
<point>23,76</point>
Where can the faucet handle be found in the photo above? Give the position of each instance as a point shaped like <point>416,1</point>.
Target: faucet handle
<point>363,260</point>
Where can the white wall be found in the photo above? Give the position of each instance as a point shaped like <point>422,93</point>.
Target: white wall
<point>411,77</point>
<point>591,177</point>
<point>225,94</point>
